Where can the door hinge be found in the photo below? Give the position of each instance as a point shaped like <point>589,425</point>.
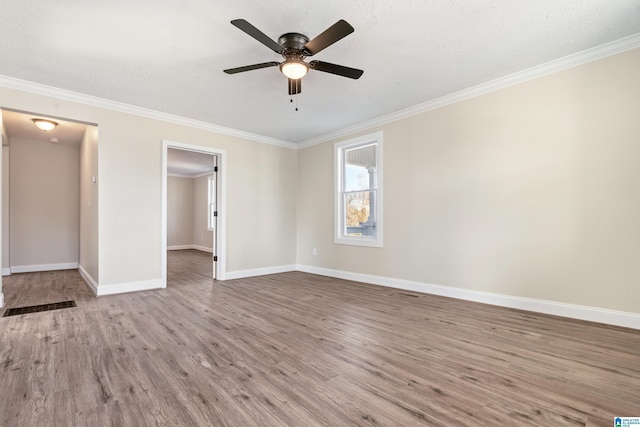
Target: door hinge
<point>215,213</point>
<point>215,169</point>
<point>215,258</point>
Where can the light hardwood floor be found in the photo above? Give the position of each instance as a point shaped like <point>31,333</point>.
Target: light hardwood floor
<point>301,350</point>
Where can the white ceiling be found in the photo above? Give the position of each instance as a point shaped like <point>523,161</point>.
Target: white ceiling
<point>168,56</point>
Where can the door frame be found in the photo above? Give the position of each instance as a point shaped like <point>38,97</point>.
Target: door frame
<point>220,234</point>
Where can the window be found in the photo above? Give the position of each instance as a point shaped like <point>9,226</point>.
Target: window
<point>358,191</point>
<point>211,221</point>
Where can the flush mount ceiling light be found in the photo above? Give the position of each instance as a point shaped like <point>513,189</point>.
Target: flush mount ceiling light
<point>45,125</point>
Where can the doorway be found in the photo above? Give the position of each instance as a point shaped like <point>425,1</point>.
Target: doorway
<point>49,194</point>
<point>193,227</point>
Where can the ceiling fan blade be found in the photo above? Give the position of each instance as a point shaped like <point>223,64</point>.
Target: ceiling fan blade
<point>257,34</point>
<point>331,35</point>
<point>340,70</point>
<point>251,67</point>
<point>295,86</point>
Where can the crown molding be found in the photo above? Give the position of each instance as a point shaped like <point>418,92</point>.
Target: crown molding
<point>573,60</point>
<point>184,175</point>
<point>179,175</point>
<point>602,51</point>
<point>93,101</point>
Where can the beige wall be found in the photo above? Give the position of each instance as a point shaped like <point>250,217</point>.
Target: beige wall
<point>179,211</point>
<point>261,182</point>
<point>88,251</point>
<point>529,191</point>
<point>44,203</point>
<point>261,197</point>
<point>201,234</point>
<point>187,207</point>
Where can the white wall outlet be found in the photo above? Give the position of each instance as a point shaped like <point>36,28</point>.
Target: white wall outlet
<point>315,251</point>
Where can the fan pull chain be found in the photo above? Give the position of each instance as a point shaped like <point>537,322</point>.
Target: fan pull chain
<point>291,100</point>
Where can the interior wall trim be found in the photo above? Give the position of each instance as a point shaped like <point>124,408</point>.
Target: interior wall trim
<point>94,101</point>
<point>241,274</point>
<point>43,267</point>
<point>202,248</point>
<point>179,247</point>
<point>573,311</point>
<point>121,288</point>
<point>579,58</point>
<point>6,271</point>
<point>93,285</point>
<point>183,247</point>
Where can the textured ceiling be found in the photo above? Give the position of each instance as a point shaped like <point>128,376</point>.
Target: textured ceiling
<point>169,55</point>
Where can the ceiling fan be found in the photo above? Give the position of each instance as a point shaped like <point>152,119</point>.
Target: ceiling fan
<point>294,48</point>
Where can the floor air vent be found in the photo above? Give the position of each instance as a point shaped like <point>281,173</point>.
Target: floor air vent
<point>37,308</point>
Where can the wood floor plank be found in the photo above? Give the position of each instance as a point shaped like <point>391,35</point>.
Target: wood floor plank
<point>298,349</point>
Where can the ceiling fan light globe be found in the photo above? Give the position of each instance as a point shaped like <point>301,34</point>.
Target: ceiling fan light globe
<point>294,69</point>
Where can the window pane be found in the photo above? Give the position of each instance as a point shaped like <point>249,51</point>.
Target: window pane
<point>359,218</point>
<point>359,168</point>
<point>355,178</point>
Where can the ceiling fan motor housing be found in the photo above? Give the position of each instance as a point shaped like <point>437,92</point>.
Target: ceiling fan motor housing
<point>293,41</point>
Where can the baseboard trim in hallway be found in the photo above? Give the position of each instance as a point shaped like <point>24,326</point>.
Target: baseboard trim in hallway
<point>43,267</point>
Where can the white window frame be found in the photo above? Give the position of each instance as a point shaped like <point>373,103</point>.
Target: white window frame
<point>339,209</point>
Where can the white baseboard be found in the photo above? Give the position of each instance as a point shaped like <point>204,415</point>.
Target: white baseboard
<point>121,288</point>
<point>592,314</point>
<point>179,247</point>
<point>6,271</point>
<point>93,285</point>
<point>240,274</point>
<point>1,300</point>
<point>183,247</point>
<point>43,267</point>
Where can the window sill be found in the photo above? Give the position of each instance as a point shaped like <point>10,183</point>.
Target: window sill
<point>359,241</point>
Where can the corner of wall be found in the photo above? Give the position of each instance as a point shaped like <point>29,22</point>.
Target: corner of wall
<point>121,288</point>
<point>93,285</point>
